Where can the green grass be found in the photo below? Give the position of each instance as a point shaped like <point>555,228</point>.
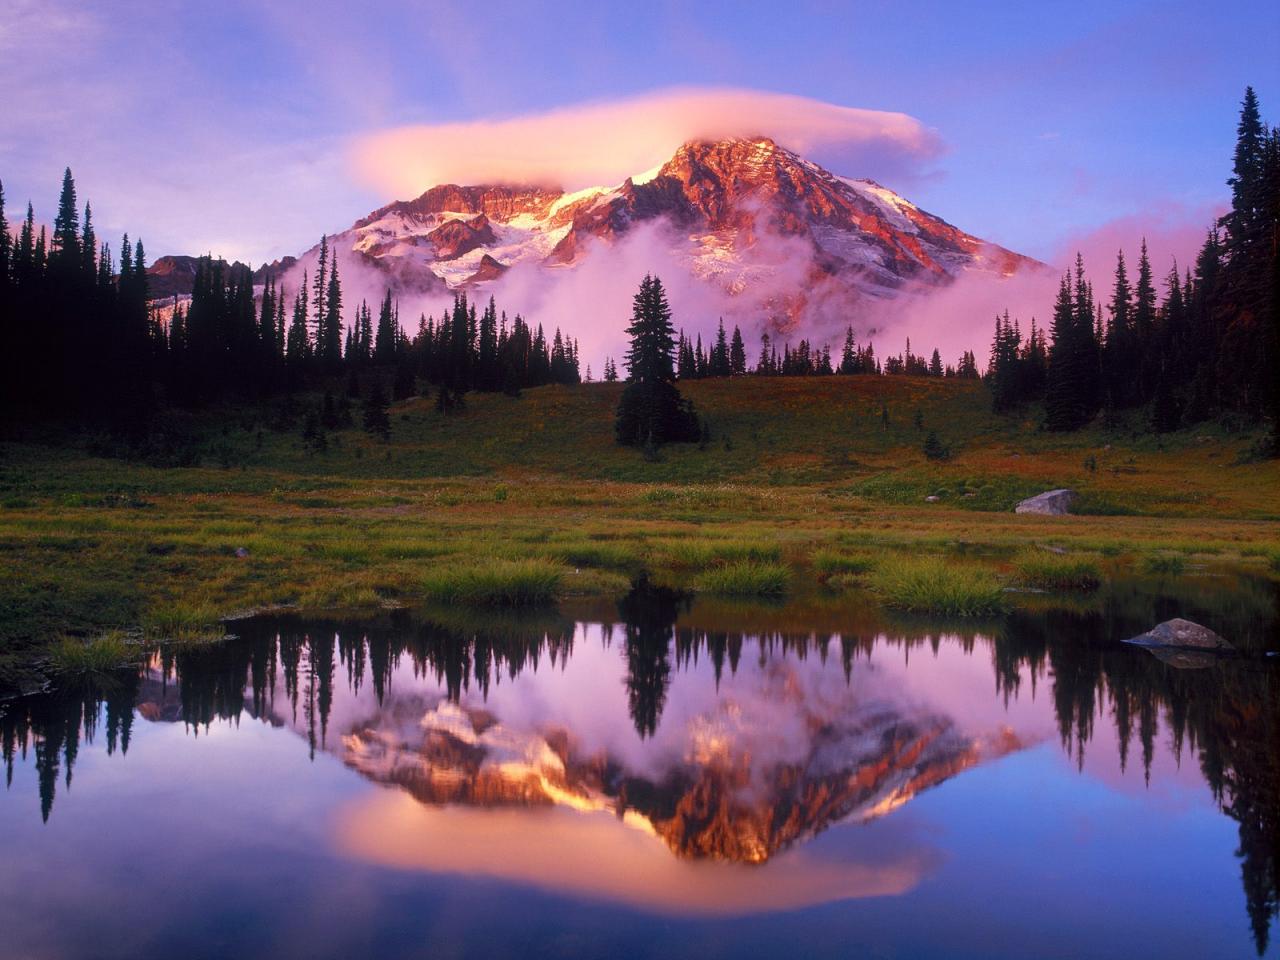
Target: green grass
<point>1164,563</point>
<point>934,586</point>
<point>1049,571</point>
<point>745,578</point>
<point>829,563</point>
<point>701,553</point>
<point>509,583</point>
<point>72,657</point>
<point>813,484</point>
<point>183,621</point>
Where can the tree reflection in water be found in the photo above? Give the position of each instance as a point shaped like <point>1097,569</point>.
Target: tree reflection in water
<point>1227,716</point>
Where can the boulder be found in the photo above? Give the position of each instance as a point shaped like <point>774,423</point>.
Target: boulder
<point>1179,634</point>
<point>1053,503</point>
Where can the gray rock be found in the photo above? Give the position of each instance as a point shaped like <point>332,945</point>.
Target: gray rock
<point>1182,635</point>
<point>1053,503</point>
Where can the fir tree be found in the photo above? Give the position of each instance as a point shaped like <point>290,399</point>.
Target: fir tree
<point>651,410</point>
<point>332,352</point>
<point>376,421</point>
<point>1065,402</point>
<point>737,354</point>
<point>64,257</point>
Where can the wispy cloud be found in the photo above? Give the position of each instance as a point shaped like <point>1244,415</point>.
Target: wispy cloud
<point>605,142</point>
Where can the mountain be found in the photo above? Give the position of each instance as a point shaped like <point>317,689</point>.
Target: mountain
<point>775,231</point>
<point>175,275</point>
<point>721,803</point>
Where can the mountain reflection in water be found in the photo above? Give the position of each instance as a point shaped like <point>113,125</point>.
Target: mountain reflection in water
<point>639,754</point>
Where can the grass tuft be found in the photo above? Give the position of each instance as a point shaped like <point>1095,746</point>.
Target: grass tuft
<point>832,563</point>
<point>1165,563</point>
<point>1036,568</point>
<point>79,658</point>
<point>509,583</point>
<point>747,578</point>
<point>708,552</point>
<point>190,622</point>
<point>929,585</point>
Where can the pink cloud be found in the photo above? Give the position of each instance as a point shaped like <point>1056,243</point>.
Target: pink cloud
<point>602,143</point>
<point>1173,230</point>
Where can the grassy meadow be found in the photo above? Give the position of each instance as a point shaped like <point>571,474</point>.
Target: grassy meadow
<point>807,484</point>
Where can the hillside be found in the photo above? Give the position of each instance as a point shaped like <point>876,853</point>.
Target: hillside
<point>777,432</point>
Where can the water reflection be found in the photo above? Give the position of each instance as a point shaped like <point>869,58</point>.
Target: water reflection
<point>638,753</point>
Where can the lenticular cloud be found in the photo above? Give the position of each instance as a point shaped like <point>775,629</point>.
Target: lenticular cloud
<point>602,143</point>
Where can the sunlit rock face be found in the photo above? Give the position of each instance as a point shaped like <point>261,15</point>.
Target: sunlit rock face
<point>755,773</point>
<point>773,231</point>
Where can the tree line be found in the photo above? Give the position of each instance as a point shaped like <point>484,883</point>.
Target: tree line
<point>85,340</point>
<point>1202,342</point>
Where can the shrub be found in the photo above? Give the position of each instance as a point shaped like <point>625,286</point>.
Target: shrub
<point>934,449</point>
<point>929,585</point>
<point>746,579</point>
<point>511,583</point>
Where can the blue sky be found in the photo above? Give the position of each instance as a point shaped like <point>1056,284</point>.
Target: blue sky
<point>231,127</point>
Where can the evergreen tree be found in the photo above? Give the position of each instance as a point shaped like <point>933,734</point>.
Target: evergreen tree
<point>1144,322</point>
<point>376,421</point>
<point>384,342</point>
<point>1065,391</point>
<point>1121,358</point>
<point>651,410</point>
<point>719,361</point>
<point>332,352</point>
<point>737,354</point>
<point>64,257</point>
<point>297,341</point>
<point>319,290</point>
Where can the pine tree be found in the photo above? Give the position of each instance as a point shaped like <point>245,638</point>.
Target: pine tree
<point>737,354</point>
<point>64,257</point>
<point>88,248</point>
<point>719,361</point>
<point>1064,402</point>
<point>332,353</point>
<point>319,290</point>
<point>1144,322</point>
<point>651,410</point>
<point>376,421</point>
<point>6,256</point>
<point>297,341</point>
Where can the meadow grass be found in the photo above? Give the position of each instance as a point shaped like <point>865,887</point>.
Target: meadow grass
<point>1164,563</point>
<point>932,585</point>
<point>814,483</point>
<point>745,578</point>
<point>828,563</point>
<point>1050,571</point>
<point>695,553</point>
<point>183,621</point>
<point>510,583</point>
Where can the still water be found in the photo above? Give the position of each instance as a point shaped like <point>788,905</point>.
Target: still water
<point>656,778</point>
